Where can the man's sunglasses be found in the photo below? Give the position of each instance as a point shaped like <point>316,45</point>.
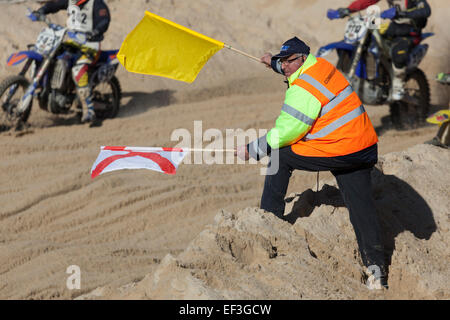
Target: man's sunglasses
<point>290,60</point>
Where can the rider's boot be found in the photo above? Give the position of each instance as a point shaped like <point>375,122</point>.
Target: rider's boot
<point>87,105</point>
<point>398,83</point>
<point>376,278</point>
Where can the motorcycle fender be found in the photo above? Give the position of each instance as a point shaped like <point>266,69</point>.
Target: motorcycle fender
<point>19,57</point>
<point>416,55</point>
<point>439,117</point>
<point>325,50</point>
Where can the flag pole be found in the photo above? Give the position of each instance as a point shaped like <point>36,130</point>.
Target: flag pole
<point>241,52</point>
<point>158,149</point>
<point>208,150</point>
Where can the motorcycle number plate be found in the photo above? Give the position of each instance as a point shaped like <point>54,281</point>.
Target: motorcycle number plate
<point>355,29</point>
<point>45,41</point>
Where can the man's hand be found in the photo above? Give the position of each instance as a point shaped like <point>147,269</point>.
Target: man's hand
<point>343,12</point>
<point>242,153</point>
<point>39,15</point>
<point>90,35</point>
<point>267,59</point>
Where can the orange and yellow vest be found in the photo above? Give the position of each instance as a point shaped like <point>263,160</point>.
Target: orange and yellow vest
<point>322,116</point>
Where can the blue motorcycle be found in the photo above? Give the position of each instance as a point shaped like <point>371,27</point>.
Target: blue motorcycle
<point>364,58</point>
<point>48,64</point>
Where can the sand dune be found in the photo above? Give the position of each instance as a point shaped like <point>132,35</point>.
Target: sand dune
<point>144,235</point>
<point>251,254</point>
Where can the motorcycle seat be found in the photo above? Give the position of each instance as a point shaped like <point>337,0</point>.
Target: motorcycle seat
<point>107,56</point>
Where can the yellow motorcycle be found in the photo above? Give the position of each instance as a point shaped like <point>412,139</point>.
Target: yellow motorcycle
<point>441,118</point>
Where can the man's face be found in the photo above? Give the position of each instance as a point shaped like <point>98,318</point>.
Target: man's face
<point>291,64</point>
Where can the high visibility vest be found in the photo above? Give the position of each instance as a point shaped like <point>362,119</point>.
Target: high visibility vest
<point>343,126</point>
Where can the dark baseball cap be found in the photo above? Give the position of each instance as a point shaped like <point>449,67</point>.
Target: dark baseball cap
<point>294,45</point>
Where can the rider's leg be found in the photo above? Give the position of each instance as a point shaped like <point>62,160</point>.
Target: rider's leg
<point>400,48</point>
<point>90,52</point>
<point>399,52</point>
<point>81,78</point>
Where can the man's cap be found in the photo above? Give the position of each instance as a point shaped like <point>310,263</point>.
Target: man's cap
<point>294,45</point>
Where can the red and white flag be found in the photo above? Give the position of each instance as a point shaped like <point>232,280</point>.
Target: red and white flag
<point>164,160</point>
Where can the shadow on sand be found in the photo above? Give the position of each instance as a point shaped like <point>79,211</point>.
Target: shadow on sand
<point>386,122</point>
<point>140,102</point>
<point>400,208</point>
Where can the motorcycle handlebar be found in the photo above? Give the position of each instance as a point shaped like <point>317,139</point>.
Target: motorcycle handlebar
<point>34,18</point>
<point>390,13</point>
<point>333,14</point>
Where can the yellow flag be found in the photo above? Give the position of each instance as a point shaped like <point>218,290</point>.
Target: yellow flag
<point>163,48</point>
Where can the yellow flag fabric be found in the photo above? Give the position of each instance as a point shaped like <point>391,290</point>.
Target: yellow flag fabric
<point>160,47</point>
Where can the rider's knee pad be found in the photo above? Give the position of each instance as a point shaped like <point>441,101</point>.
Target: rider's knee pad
<point>80,75</point>
<point>400,51</point>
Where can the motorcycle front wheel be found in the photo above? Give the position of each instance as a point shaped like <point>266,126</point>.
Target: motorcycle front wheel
<point>12,90</point>
<point>408,115</point>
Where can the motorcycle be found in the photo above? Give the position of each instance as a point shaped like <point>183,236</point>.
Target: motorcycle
<point>441,118</point>
<point>364,58</point>
<point>48,64</point>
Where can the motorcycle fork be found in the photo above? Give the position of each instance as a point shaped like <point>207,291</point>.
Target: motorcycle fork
<point>357,56</point>
<point>26,67</point>
<point>28,96</point>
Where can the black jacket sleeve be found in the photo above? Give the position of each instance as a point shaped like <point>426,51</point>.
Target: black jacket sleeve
<point>54,6</point>
<point>422,10</point>
<point>102,18</point>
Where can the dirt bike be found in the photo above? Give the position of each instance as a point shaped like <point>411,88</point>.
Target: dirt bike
<point>441,118</point>
<point>48,64</point>
<point>364,58</point>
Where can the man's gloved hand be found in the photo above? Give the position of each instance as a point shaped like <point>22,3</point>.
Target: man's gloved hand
<point>40,16</point>
<point>401,14</point>
<point>343,12</point>
<point>91,35</point>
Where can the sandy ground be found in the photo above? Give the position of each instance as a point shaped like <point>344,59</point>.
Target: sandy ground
<point>142,234</point>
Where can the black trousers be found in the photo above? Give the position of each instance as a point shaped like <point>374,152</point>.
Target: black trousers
<point>352,173</point>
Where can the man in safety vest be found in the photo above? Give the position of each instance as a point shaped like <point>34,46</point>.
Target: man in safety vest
<point>323,127</point>
<point>92,18</point>
<point>405,30</point>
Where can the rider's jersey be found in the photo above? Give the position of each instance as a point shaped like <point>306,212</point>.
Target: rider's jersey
<point>80,18</point>
<point>416,11</point>
<point>83,15</point>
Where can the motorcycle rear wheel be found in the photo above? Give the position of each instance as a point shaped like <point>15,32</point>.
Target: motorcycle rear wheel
<point>407,115</point>
<point>12,90</point>
<point>106,97</point>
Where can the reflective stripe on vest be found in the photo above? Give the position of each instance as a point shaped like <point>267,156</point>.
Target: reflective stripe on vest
<point>338,99</point>
<point>297,114</point>
<point>336,124</point>
<point>334,101</point>
<point>316,84</point>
